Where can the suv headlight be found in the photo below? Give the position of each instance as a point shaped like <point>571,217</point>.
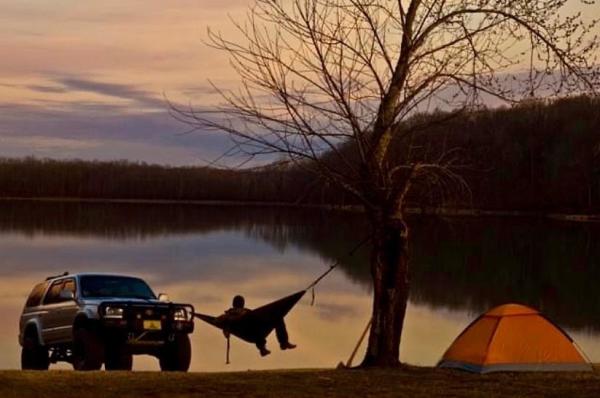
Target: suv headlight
<point>180,315</point>
<point>113,312</point>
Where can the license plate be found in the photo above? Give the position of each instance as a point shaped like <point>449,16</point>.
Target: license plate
<point>152,325</point>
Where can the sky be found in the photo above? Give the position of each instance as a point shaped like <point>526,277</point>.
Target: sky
<point>88,79</point>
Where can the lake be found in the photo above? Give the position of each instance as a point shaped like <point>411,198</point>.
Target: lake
<point>206,255</point>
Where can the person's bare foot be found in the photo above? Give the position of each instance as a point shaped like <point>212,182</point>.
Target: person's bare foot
<point>288,346</point>
<point>264,352</point>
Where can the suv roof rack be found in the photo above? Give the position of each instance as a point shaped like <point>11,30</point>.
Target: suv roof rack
<point>57,276</point>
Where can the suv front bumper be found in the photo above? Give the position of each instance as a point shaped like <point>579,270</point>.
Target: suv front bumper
<point>146,323</point>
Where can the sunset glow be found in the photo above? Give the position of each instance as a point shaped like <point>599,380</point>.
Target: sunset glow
<point>89,79</point>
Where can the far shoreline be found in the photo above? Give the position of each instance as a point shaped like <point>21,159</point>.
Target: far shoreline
<point>425,211</point>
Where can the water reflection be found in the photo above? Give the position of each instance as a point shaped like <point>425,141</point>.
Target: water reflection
<point>206,255</point>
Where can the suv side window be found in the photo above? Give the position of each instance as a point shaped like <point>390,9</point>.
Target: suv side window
<point>69,285</point>
<point>53,292</point>
<point>35,297</point>
<point>53,295</point>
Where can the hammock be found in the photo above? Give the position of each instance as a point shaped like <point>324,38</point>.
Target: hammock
<point>257,324</point>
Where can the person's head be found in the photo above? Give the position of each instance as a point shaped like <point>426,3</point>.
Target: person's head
<point>238,302</point>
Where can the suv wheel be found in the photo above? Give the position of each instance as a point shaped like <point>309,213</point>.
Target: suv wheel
<point>117,358</point>
<point>176,355</point>
<point>33,355</point>
<point>88,350</point>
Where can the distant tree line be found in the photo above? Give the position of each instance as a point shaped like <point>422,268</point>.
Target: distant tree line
<point>537,156</point>
<point>32,178</point>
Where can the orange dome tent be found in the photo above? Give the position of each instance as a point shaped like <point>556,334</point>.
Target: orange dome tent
<point>513,337</point>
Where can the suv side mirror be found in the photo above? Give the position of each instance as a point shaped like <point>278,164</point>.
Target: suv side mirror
<point>66,295</point>
<point>163,297</point>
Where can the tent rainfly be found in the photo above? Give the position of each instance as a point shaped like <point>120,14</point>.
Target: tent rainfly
<point>514,337</point>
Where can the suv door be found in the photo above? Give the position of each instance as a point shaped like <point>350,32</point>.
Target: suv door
<point>58,321</point>
<point>68,312</point>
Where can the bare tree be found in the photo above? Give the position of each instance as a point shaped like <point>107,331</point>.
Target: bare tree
<point>321,76</point>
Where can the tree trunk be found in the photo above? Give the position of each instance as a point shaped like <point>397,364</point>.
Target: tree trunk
<point>389,270</point>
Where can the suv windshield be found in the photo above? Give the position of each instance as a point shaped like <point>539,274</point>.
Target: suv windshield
<point>115,286</point>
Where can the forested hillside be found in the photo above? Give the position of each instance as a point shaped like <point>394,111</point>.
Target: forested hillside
<point>534,157</point>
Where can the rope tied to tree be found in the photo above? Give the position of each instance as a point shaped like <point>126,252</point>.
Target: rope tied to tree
<point>314,283</point>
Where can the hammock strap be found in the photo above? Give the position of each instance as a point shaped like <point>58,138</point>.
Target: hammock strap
<point>228,349</point>
<point>312,300</point>
<point>323,275</point>
<point>334,265</point>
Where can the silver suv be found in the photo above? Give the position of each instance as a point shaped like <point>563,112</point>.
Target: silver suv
<point>94,319</point>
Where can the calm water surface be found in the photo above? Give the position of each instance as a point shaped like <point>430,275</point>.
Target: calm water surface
<point>206,255</point>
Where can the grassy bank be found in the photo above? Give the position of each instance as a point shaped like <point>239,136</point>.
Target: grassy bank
<point>408,382</point>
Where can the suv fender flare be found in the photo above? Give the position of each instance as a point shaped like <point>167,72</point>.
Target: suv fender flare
<point>90,312</point>
<point>83,320</point>
<point>32,325</point>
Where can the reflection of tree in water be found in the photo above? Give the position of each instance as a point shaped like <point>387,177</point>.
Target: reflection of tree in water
<point>476,264</point>
<point>330,235</point>
<point>140,221</point>
<point>467,264</point>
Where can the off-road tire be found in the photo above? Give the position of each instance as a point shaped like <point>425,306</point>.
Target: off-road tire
<point>88,350</point>
<point>33,355</point>
<point>117,358</point>
<point>176,355</point>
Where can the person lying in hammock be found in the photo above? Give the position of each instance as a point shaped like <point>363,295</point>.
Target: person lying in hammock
<point>238,309</point>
